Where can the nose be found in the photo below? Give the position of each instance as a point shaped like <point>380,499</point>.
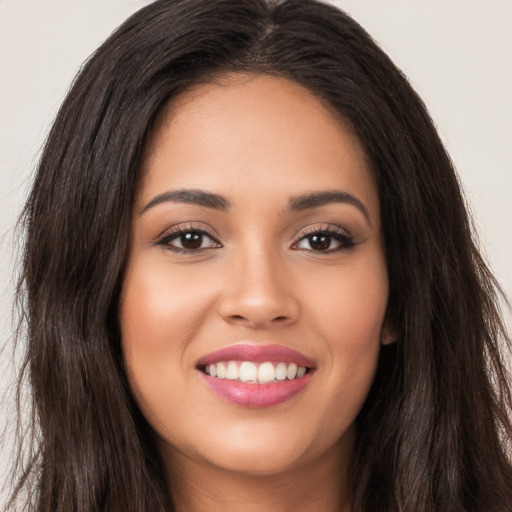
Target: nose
<point>259,293</point>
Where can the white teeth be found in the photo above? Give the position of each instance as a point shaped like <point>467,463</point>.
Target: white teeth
<point>281,371</point>
<point>221,370</point>
<point>232,371</point>
<point>266,372</point>
<point>291,372</point>
<point>248,371</point>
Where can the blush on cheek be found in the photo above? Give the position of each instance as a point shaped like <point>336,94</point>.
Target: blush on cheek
<point>162,308</point>
<point>354,320</point>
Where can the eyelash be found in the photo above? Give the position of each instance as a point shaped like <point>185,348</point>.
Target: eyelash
<point>345,241</point>
<point>181,231</point>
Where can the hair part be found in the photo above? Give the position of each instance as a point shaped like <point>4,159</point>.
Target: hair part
<point>435,431</point>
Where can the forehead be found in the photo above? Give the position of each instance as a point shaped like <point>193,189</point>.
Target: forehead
<point>255,132</point>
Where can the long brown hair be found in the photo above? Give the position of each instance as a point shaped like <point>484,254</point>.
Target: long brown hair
<point>435,431</point>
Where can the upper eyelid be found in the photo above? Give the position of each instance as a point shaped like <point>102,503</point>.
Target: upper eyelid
<point>333,230</point>
<point>184,228</point>
<point>210,232</point>
<point>329,228</point>
<point>166,240</point>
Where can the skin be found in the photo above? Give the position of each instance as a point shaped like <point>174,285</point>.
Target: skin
<point>259,142</point>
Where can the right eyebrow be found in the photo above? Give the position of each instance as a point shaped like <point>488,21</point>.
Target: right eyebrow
<point>190,196</point>
<point>321,198</point>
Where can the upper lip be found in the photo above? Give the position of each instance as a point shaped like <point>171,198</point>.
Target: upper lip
<point>258,354</point>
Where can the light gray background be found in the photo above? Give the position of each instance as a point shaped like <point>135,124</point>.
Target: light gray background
<point>457,54</point>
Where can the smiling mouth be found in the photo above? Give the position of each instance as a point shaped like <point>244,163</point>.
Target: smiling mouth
<point>254,372</point>
<point>254,375</point>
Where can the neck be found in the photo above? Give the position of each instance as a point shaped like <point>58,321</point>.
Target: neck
<point>318,485</point>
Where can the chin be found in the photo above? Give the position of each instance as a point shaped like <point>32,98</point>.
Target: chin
<point>264,451</point>
<point>254,461</point>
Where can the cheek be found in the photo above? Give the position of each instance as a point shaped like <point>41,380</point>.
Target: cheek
<point>160,310</point>
<point>160,313</point>
<point>347,312</point>
<point>348,305</point>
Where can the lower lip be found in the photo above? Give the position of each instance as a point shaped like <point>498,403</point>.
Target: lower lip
<point>256,395</point>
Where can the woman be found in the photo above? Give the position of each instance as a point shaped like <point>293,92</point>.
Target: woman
<point>250,280</point>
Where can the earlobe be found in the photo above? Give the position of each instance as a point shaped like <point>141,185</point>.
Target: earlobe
<point>387,338</point>
<point>389,333</point>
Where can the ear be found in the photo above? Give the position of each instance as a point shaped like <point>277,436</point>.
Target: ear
<point>389,333</point>
<point>387,338</point>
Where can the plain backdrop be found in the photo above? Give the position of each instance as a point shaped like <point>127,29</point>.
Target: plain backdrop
<point>457,54</point>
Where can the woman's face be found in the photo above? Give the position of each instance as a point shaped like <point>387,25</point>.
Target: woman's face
<point>256,255</point>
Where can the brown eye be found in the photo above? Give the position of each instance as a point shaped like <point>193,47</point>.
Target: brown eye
<point>325,241</point>
<point>319,242</point>
<point>188,240</point>
<point>192,240</point>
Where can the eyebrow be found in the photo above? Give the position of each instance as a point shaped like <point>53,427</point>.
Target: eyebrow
<point>217,202</point>
<point>190,196</point>
<point>322,198</point>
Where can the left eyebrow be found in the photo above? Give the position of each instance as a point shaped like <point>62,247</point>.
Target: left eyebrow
<point>316,199</point>
<point>190,196</point>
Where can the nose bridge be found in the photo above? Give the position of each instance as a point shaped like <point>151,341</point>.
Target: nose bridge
<point>259,292</point>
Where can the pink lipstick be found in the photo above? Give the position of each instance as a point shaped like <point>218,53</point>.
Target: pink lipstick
<point>256,375</point>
